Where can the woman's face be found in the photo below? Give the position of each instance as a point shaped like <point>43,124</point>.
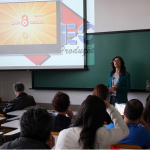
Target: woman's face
<point>117,63</point>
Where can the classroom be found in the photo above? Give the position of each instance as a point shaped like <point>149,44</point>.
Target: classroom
<point>121,28</point>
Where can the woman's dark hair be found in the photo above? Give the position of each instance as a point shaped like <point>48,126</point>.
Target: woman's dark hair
<point>61,102</point>
<point>123,68</point>
<point>101,90</point>
<point>90,116</point>
<point>146,112</point>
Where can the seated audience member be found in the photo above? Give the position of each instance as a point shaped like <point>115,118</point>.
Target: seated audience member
<point>137,135</point>
<point>21,101</point>
<point>61,103</point>
<point>35,125</point>
<point>146,112</point>
<point>86,130</point>
<point>102,91</point>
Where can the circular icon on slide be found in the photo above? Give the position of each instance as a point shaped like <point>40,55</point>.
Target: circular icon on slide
<point>25,22</point>
<point>25,35</point>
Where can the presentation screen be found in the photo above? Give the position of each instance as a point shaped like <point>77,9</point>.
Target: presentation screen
<point>42,34</point>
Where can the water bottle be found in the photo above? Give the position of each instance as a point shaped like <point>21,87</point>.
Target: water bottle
<point>147,85</point>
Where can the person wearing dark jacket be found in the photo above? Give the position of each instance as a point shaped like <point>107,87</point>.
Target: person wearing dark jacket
<point>21,101</point>
<point>35,126</point>
<point>118,82</point>
<point>61,102</point>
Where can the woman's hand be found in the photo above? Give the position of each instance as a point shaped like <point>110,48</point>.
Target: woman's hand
<point>111,89</point>
<point>114,87</point>
<point>107,104</point>
<point>70,113</point>
<point>142,121</point>
<point>50,142</point>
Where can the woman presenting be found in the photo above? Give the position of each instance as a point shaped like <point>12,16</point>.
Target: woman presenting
<point>118,82</point>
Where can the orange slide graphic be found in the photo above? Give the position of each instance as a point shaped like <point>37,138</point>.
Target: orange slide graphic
<point>28,23</point>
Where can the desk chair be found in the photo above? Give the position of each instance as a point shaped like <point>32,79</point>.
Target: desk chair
<point>1,134</point>
<point>1,115</point>
<point>13,134</point>
<point>105,123</point>
<point>2,130</point>
<point>124,146</point>
<point>55,133</point>
<point>14,118</point>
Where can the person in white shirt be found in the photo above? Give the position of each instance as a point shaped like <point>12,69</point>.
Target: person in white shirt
<point>86,130</point>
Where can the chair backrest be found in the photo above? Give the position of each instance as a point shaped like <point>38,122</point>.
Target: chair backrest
<point>125,146</point>
<point>1,115</point>
<point>105,123</point>
<point>55,133</point>
<point>12,134</point>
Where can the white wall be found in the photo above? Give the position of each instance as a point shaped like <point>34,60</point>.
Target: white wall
<point>8,78</point>
<point>118,15</point>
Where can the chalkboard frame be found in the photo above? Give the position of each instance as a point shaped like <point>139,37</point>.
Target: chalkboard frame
<point>74,89</point>
<point>122,31</point>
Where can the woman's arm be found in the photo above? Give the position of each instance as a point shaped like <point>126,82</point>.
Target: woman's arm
<point>108,137</point>
<point>70,113</point>
<point>142,121</point>
<point>108,84</point>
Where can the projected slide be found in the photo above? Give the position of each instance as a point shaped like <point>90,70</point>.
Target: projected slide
<point>42,34</point>
<point>28,23</point>
<point>32,28</point>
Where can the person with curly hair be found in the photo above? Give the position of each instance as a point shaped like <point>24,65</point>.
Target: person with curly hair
<point>60,104</point>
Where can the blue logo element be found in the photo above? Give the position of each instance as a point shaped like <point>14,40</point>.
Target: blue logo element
<point>73,34</point>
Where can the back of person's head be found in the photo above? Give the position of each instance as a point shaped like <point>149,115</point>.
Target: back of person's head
<point>133,109</point>
<point>90,116</point>
<point>61,102</point>
<point>36,124</point>
<point>102,91</point>
<point>18,87</point>
<point>146,112</point>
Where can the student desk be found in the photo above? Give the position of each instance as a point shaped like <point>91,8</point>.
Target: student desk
<point>2,118</point>
<point>15,124</point>
<point>17,113</point>
<point>12,124</point>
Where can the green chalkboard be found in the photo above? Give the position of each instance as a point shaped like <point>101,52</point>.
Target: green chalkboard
<point>133,47</point>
